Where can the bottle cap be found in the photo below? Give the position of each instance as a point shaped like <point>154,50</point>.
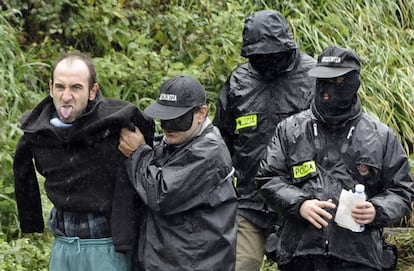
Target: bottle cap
<point>360,188</point>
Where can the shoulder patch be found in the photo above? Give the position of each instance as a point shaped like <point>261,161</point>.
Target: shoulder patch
<point>304,169</point>
<point>246,121</point>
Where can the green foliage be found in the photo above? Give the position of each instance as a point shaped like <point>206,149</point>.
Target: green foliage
<point>381,33</point>
<point>29,253</point>
<point>268,265</point>
<point>404,242</point>
<point>137,44</point>
<point>17,76</point>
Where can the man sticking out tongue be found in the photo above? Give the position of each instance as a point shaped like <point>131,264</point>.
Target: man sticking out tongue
<point>71,79</point>
<point>65,112</point>
<point>71,139</point>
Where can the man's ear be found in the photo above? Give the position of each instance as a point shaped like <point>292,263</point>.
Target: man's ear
<point>93,92</point>
<point>203,113</point>
<point>51,88</point>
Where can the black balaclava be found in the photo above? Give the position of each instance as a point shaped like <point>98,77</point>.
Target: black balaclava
<point>268,44</point>
<point>343,100</point>
<point>271,65</point>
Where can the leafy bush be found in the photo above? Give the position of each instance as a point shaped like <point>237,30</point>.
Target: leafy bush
<point>138,44</point>
<point>17,76</point>
<point>25,254</point>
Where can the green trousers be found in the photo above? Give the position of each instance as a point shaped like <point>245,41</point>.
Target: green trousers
<point>74,254</point>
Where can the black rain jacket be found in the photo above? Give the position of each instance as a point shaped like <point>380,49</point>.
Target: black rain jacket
<point>250,106</point>
<point>372,156</point>
<point>190,223</point>
<point>80,164</point>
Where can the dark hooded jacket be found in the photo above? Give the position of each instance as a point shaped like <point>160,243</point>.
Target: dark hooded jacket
<point>80,165</point>
<point>250,106</point>
<point>190,223</point>
<point>300,165</point>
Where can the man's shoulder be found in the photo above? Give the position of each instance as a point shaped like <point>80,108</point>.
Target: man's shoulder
<point>240,72</point>
<point>302,115</point>
<point>116,103</point>
<point>210,136</point>
<point>372,122</point>
<point>109,111</point>
<point>109,106</point>
<point>306,62</point>
<point>36,115</point>
<point>298,119</point>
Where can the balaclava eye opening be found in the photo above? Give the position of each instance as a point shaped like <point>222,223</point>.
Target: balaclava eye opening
<point>272,65</point>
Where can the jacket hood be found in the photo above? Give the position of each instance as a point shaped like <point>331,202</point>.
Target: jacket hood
<point>266,32</point>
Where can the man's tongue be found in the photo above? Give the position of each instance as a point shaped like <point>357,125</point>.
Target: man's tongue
<point>65,111</point>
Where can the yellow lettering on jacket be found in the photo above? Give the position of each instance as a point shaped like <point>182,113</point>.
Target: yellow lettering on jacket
<point>246,121</point>
<point>302,170</point>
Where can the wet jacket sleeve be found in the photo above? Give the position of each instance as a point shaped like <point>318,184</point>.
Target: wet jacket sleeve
<point>273,178</point>
<point>27,189</point>
<point>223,119</point>
<point>126,204</point>
<point>145,125</point>
<point>125,214</point>
<point>395,200</point>
<point>180,184</point>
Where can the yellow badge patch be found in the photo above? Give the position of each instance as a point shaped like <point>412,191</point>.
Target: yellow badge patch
<point>304,169</point>
<point>246,121</point>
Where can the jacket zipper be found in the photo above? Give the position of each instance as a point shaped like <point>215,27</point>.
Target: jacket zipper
<point>344,147</point>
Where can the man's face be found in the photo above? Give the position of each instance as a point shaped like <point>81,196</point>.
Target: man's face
<point>339,92</point>
<point>178,137</point>
<point>70,89</point>
<point>271,65</point>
